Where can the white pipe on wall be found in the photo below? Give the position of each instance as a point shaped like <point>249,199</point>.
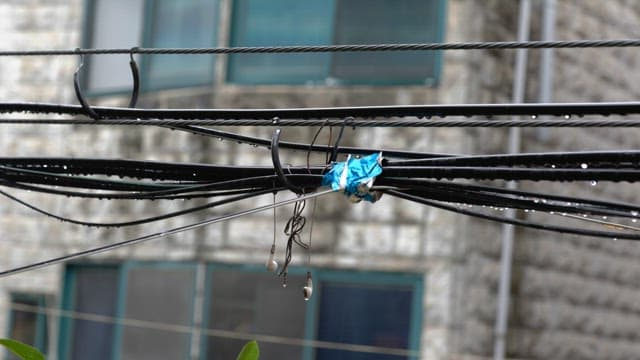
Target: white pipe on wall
<point>504,286</point>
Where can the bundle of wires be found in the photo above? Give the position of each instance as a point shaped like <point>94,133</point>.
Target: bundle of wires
<point>447,182</point>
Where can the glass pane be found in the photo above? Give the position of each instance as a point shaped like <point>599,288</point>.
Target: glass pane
<point>365,315</point>
<point>163,295</point>
<point>182,23</point>
<point>115,24</point>
<point>255,303</point>
<point>96,292</point>
<point>279,23</point>
<point>23,322</point>
<point>386,22</point>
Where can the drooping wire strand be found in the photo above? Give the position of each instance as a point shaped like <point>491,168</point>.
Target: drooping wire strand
<point>513,221</point>
<point>139,221</point>
<point>156,235</point>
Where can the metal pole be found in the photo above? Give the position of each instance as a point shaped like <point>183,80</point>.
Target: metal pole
<point>504,287</point>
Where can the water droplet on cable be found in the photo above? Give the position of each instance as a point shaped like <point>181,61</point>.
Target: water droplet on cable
<point>594,182</point>
<point>567,117</point>
<point>634,220</point>
<point>275,120</point>
<point>615,239</point>
<point>553,166</point>
<point>584,166</point>
<point>533,117</point>
<point>604,218</point>
<point>634,213</point>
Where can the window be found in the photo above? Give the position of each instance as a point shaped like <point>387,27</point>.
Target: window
<point>143,294</point>
<point>375,309</point>
<point>28,321</point>
<point>148,311</point>
<point>292,22</point>
<point>149,23</point>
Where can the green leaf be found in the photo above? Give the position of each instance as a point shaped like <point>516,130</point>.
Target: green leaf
<point>249,351</point>
<point>24,351</point>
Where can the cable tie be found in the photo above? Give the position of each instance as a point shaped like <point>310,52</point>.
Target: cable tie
<point>355,177</point>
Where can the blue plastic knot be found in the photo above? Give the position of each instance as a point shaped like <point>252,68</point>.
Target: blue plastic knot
<point>355,177</point>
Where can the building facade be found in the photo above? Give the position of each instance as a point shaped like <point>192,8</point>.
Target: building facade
<point>387,276</point>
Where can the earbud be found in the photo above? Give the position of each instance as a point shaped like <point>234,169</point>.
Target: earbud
<point>272,265</point>
<point>307,291</point>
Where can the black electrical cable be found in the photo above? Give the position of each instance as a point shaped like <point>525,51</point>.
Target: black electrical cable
<point>363,116</point>
<point>303,147</point>
<point>617,159</point>
<point>140,221</point>
<point>497,199</point>
<point>126,196</point>
<point>581,205</point>
<point>571,44</point>
<point>507,173</point>
<point>512,221</point>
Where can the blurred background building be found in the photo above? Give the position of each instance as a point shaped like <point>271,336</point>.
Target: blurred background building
<point>389,275</point>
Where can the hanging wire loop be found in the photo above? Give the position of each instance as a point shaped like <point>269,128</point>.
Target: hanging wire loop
<point>76,85</point>
<point>277,166</point>
<point>135,74</point>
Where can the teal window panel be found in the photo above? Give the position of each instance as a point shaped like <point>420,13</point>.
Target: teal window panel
<point>149,23</point>
<point>91,290</point>
<point>280,23</point>
<point>186,24</point>
<point>374,315</point>
<point>254,302</point>
<point>347,307</point>
<point>386,22</point>
<point>290,22</point>
<point>28,321</point>
<point>161,293</point>
<point>146,292</point>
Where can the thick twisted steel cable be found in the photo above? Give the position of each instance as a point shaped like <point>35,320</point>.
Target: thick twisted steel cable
<point>183,124</point>
<point>572,44</point>
<point>358,116</point>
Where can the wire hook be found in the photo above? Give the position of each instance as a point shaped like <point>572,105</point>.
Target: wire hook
<point>336,146</point>
<point>136,77</point>
<point>275,157</point>
<point>76,85</point>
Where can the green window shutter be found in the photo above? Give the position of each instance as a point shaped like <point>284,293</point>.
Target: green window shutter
<point>180,23</point>
<point>390,22</point>
<point>280,23</point>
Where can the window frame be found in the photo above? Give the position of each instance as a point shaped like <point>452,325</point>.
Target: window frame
<point>347,276</point>
<point>149,9</point>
